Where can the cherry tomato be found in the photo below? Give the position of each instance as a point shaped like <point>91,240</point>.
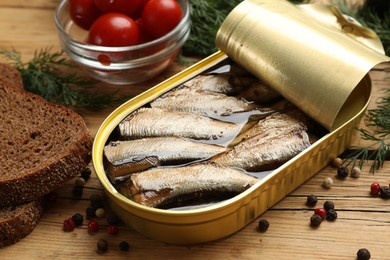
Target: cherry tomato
<point>114,30</point>
<point>143,36</point>
<point>83,12</point>
<point>127,7</point>
<point>160,16</point>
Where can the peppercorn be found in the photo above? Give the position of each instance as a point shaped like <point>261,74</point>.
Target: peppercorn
<point>102,245</point>
<point>93,226</point>
<point>375,188</point>
<point>100,213</point>
<point>68,224</point>
<point>80,182</point>
<point>78,191</point>
<point>86,173</point>
<point>96,204</point>
<point>342,172</point>
<point>90,212</point>
<point>328,182</point>
<point>320,212</point>
<point>363,254</point>
<point>263,225</point>
<point>112,229</point>
<point>315,220</point>
<point>111,218</point>
<point>78,219</point>
<point>311,200</point>
<point>337,162</point>
<point>328,205</point>
<point>355,172</point>
<point>124,246</point>
<point>331,215</point>
<point>384,192</point>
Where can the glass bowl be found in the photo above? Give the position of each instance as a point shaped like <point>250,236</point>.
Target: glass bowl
<point>121,65</point>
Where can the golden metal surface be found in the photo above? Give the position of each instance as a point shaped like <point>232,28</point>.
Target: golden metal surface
<point>312,54</point>
<point>320,65</point>
<point>220,220</point>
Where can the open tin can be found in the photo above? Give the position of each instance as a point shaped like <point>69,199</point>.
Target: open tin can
<point>298,72</point>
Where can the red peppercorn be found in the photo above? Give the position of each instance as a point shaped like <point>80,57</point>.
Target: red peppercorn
<point>112,230</point>
<point>375,188</point>
<point>320,212</point>
<point>93,226</point>
<point>69,224</point>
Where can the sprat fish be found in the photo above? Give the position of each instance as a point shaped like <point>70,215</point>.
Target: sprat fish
<point>182,186</point>
<point>126,157</point>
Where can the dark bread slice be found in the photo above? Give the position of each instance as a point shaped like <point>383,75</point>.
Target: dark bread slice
<point>16,222</point>
<point>42,145</point>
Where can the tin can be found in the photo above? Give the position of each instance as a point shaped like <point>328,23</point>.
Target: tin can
<point>216,221</point>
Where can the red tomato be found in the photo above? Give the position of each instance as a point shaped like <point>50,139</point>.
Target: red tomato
<point>83,12</point>
<point>118,6</point>
<point>160,16</point>
<point>114,30</point>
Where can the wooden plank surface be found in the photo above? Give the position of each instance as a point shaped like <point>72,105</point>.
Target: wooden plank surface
<point>363,220</point>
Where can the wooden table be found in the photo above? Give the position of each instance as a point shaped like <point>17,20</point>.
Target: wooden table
<point>363,220</point>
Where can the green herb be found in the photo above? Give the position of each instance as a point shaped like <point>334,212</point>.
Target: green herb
<point>44,75</point>
<point>380,24</point>
<point>377,119</point>
<point>206,18</point>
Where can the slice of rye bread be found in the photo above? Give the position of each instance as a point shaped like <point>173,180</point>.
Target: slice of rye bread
<point>16,222</point>
<point>42,145</point>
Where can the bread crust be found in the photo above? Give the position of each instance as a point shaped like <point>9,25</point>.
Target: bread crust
<point>19,221</point>
<point>29,184</point>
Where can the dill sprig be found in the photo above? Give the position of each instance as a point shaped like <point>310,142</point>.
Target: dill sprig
<point>206,18</point>
<point>380,24</point>
<point>378,119</point>
<point>44,75</point>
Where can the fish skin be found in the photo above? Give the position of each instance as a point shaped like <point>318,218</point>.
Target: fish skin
<point>218,83</point>
<point>126,157</point>
<point>265,151</point>
<point>204,102</point>
<point>154,122</point>
<point>279,120</point>
<point>160,187</point>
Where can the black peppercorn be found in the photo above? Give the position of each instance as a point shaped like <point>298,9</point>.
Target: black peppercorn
<point>86,173</point>
<point>331,215</point>
<point>124,246</point>
<point>342,172</point>
<point>111,218</point>
<point>90,212</point>
<point>102,245</point>
<point>328,205</point>
<point>315,220</point>
<point>311,200</point>
<point>96,204</point>
<point>384,192</point>
<point>363,254</point>
<point>263,225</point>
<point>78,219</point>
<point>78,191</point>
